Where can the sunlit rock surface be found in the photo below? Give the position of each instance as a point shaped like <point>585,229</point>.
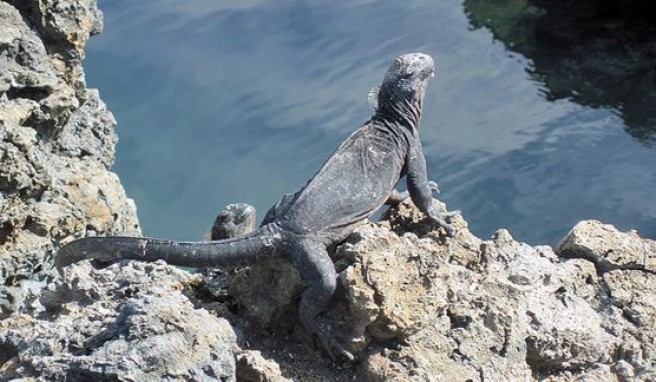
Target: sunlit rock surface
<point>411,304</point>
<point>415,305</point>
<point>56,146</point>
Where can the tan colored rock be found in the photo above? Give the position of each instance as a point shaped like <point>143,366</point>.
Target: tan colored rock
<point>519,313</point>
<point>608,248</point>
<point>70,21</point>
<point>633,296</point>
<point>253,367</point>
<point>56,147</point>
<point>66,25</point>
<point>417,306</point>
<point>25,68</point>
<point>396,270</point>
<point>130,321</point>
<point>635,293</point>
<point>425,292</point>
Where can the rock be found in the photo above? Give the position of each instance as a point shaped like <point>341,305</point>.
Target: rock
<point>25,69</point>
<point>609,248</point>
<point>72,22</point>
<point>64,26</point>
<point>56,146</point>
<point>252,367</point>
<point>451,321</point>
<point>414,305</point>
<point>129,321</point>
<point>267,291</point>
<point>518,313</point>
<point>411,303</point>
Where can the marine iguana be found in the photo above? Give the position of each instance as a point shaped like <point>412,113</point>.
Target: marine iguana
<point>350,186</point>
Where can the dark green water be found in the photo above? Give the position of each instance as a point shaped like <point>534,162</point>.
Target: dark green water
<point>241,101</point>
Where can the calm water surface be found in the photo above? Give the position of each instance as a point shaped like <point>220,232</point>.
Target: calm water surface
<point>241,101</point>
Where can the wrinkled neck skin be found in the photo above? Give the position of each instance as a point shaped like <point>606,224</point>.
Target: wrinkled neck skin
<point>401,107</point>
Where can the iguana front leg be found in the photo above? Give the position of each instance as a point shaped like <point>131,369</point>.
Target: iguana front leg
<point>397,197</point>
<point>420,189</point>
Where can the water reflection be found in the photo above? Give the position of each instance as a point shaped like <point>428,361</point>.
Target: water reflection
<point>596,53</point>
<point>221,102</point>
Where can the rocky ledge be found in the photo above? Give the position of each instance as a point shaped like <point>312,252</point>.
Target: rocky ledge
<point>411,304</point>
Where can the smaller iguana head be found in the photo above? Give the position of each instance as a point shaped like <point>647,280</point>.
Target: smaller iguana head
<point>404,86</point>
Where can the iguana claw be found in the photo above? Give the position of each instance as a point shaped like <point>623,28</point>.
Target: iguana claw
<point>451,231</point>
<point>322,336</point>
<point>335,351</point>
<point>433,186</point>
<point>448,216</point>
<point>444,220</point>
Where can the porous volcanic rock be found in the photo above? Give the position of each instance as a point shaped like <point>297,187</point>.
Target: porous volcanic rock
<point>56,146</point>
<point>468,309</point>
<point>414,305</point>
<point>129,321</point>
<point>411,304</point>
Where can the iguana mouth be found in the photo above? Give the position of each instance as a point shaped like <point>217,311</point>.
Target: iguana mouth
<point>431,74</point>
<point>418,65</point>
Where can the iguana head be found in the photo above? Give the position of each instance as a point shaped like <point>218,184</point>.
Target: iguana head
<point>404,86</point>
<point>409,71</point>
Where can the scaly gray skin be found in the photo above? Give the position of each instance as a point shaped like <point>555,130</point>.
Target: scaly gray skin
<point>351,185</point>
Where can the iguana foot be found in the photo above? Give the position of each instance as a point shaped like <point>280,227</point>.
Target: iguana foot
<point>323,336</point>
<point>432,185</point>
<point>448,216</point>
<point>444,219</point>
<point>451,231</point>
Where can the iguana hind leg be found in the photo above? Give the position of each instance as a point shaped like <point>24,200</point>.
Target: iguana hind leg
<point>308,257</point>
<point>317,269</point>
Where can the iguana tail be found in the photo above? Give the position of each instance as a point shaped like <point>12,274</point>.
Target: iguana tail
<point>243,250</point>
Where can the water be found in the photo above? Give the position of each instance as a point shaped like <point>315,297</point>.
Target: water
<point>222,102</point>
